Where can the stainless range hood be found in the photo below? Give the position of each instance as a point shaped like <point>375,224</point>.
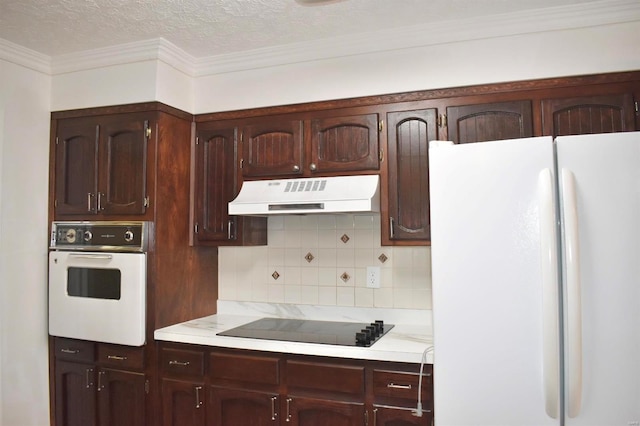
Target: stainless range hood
<point>337,194</point>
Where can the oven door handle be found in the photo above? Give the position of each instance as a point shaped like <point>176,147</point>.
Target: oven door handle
<point>91,256</point>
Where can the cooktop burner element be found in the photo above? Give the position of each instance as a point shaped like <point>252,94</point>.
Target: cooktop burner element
<point>309,331</point>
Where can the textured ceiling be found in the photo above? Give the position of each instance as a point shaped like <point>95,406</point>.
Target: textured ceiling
<point>212,27</point>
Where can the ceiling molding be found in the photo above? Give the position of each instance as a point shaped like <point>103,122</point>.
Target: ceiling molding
<point>598,13</point>
<point>24,57</point>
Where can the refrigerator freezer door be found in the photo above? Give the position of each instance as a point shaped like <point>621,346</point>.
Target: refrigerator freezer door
<point>606,170</point>
<point>487,280</point>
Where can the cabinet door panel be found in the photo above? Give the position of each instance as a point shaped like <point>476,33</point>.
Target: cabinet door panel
<point>216,184</point>
<point>123,166</point>
<point>121,398</point>
<point>388,416</point>
<point>487,122</point>
<point>75,394</point>
<point>589,114</point>
<point>272,149</point>
<point>76,166</point>
<point>230,407</point>
<point>320,412</point>
<point>409,133</point>
<point>345,144</point>
<point>183,403</point>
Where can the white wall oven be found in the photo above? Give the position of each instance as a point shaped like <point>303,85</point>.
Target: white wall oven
<point>98,280</point>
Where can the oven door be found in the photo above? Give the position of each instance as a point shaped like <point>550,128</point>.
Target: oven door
<point>98,296</point>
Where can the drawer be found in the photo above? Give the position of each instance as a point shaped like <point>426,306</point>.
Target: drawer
<point>401,385</point>
<point>325,377</point>
<point>181,362</point>
<point>74,350</point>
<point>121,356</point>
<point>244,368</point>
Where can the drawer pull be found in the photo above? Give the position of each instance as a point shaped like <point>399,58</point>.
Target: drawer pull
<point>117,357</point>
<point>398,386</point>
<point>180,363</point>
<point>70,351</point>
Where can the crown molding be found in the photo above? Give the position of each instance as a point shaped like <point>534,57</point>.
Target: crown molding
<point>24,57</point>
<point>558,18</point>
<point>549,19</point>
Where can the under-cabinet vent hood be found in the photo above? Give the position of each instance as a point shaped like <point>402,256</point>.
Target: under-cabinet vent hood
<point>337,194</point>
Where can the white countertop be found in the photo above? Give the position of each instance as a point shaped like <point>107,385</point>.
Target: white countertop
<point>405,342</point>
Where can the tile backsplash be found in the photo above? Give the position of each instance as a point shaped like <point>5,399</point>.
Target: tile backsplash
<point>322,260</point>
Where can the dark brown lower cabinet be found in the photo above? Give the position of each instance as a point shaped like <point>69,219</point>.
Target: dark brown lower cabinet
<point>183,403</point>
<point>242,407</point>
<point>301,411</point>
<point>94,386</point>
<point>397,416</point>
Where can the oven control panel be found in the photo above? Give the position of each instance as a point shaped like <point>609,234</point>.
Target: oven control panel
<point>100,236</point>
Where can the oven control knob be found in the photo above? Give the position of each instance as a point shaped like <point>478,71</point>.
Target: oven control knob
<point>128,236</point>
<point>88,236</point>
<point>70,236</point>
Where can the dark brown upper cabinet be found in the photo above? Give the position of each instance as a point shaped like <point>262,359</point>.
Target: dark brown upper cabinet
<point>588,114</point>
<point>217,182</point>
<point>272,148</point>
<point>408,136</point>
<point>489,121</point>
<point>101,165</point>
<point>348,143</point>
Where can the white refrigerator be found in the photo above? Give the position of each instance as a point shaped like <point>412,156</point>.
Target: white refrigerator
<point>536,281</point>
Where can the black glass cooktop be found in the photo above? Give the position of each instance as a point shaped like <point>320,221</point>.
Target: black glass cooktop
<point>310,331</point>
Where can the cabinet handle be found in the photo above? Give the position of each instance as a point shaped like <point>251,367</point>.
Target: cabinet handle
<point>180,363</point>
<point>391,228</point>
<point>100,384</point>
<point>288,419</point>
<point>198,400</point>
<point>100,208</point>
<point>89,195</point>
<point>229,229</point>
<point>70,351</point>
<point>398,386</point>
<point>313,167</point>
<point>88,373</point>
<point>117,357</point>
<point>296,168</point>
<point>375,417</point>
<point>273,408</point>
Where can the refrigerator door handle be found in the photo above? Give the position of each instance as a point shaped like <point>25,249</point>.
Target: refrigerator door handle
<point>573,294</point>
<point>550,293</point>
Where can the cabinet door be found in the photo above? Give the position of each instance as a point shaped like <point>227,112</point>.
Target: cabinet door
<point>273,148</point>
<point>408,136</point>
<point>76,166</point>
<point>75,397</point>
<point>321,412</point>
<point>345,144</point>
<point>488,122</point>
<point>216,183</point>
<point>391,416</point>
<point>121,398</point>
<point>122,182</point>
<point>589,114</point>
<point>183,403</point>
<point>231,407</point>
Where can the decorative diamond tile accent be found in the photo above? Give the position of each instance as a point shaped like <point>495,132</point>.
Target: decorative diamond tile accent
<point>383,258</point>
<point>309,257</point>
<point>275,275</point>
<point>345,277</point>
<point>344,238</point>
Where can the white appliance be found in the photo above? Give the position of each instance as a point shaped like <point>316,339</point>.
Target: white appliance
<point>536,281</point>
<point>335,194</point>
<point>97,281</point>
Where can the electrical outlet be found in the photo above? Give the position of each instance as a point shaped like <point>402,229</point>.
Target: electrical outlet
<point>373,277</point>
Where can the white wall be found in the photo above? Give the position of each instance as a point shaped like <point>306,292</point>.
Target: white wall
<point>606,48</point>
<point>25,98</point>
